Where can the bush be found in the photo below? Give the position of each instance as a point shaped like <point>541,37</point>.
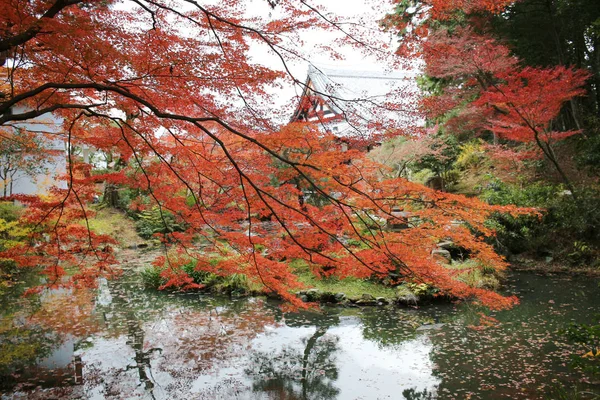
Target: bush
<point>234,284</point>
<point>151,277</point>
<point>567,227</point>
<point>588,337</point>
<point>9,212</point>
<point>472,154</point>
<point>155,220</point>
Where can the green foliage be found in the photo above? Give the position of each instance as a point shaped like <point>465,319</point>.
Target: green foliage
<point>20,347</point>
<point>126,196</point>
<point>582,253</point>
<point>9,212</point>
<point>477,275</point>
<point>534,195</point>
<point>472,155</point>
<point>442,161</point>
<point>551,33</point>
<point>421,289</point>
<point>155,220</point>
<point>151,277</point>
<point>12,233</point>
<point>567,227</point>
<point>431,85</point>
<point>234,284</point>
<point>452,177</point>
<point>422,176</point>
<point>588,338</point>
<point>351,287</point>
<point>562,392</point>
<point>588,150</point>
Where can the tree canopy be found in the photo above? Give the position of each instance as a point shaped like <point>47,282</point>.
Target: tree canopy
<point>171,89</point>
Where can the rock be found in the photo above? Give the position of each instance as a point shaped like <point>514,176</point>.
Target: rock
<point>430,327</point>
<point>382,300</point>
<point>136,246</point>
<point>436,183</point>
<point>304,298</point>
<point>442,254</point>
<point>399,220</point>
<point>313,294</point>
<point>367,297</point>
<point>364,302</point>
<point>408,299</point>
<point>340,297</point>
<point>446,245</point>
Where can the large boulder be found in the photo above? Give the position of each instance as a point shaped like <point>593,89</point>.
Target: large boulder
<point>441,254</point>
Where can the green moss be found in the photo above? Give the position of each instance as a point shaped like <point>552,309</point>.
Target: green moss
<point>351,287</point>
<point>114,223</point>
<point>477,275</point>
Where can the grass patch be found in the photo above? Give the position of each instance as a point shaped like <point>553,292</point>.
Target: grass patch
<point>351,287</point>
<point>477,275</point>
<point>116,224</point>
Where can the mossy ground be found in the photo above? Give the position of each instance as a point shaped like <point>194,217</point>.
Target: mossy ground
<point>115,223</point>
<point>477,276</point>
<point>351,287</point>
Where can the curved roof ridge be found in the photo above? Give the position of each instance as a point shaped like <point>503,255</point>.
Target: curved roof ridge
<point>359,74</point>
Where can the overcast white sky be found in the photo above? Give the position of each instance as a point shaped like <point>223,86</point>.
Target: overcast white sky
<point>359,13</point>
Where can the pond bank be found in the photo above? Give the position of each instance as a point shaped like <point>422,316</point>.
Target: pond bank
<point>529,264</point>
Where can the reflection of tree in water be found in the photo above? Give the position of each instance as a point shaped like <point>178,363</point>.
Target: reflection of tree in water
<point>412,394</point>
<point>388,327</point>
<point>125,310</point>
<point>142,358</point>
<point>196,336</point>
<point>299,374</point>
<point>20,349</point>
<point>39,327</point>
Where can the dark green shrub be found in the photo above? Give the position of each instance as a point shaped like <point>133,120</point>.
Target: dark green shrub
<point>568,227</point>
<point>235,284</point>
<point>156,220</point>
<point>588,337</point>
<point>9,211</point>
<point>151,277</point>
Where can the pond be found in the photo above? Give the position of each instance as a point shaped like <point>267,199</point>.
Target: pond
<point>123,342</point>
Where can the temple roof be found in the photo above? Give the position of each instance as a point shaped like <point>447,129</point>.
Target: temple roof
<point>363,99</point>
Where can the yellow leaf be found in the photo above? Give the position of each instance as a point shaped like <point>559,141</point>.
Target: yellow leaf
<point>588,354</point>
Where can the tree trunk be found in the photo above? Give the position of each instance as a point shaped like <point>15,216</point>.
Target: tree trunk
<point>111,195</point>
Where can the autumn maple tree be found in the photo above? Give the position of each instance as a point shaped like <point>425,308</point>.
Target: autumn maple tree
<point>481,85</point>
<point>170,88</point>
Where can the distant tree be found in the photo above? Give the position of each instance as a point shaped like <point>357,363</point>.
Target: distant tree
<point>21,153</point>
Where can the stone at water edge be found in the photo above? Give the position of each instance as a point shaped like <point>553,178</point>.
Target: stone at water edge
<point>340,297</point>
<point>442,254</point>
<point>446,245</point>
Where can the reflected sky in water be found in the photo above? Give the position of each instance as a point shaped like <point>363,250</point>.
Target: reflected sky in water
<point>124,342</point>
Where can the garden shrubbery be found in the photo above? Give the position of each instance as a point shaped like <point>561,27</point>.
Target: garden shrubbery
<point>568,228</point>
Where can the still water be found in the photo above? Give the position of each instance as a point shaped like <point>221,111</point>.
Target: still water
<point>123,342</point>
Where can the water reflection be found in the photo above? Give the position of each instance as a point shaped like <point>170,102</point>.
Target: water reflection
<point>124,342</point>
<point>300,369</point>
